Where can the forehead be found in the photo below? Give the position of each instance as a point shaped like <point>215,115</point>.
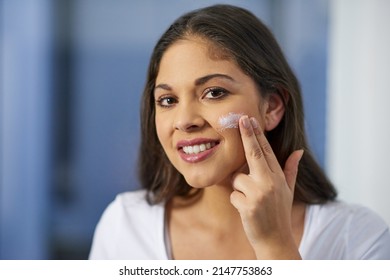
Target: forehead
<point>194,56</point>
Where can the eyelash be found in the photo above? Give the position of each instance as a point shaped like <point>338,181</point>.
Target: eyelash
<point>221,94</point>
<point>162,99</point>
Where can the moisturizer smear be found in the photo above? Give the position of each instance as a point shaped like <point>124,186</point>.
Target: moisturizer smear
<point>229,121</point>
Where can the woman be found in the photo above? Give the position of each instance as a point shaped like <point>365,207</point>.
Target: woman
<point>222,142</point>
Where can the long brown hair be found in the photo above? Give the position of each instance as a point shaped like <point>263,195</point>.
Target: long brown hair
<point>244,38</point>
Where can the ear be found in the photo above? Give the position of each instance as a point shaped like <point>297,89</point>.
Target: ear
<point>274,110</point>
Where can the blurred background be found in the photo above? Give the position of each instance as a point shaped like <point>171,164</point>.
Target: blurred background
<point>71,76</point>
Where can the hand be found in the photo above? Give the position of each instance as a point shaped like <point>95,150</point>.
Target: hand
<point>264,197</point>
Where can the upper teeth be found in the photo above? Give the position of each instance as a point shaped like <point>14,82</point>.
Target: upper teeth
<point>195,149</point>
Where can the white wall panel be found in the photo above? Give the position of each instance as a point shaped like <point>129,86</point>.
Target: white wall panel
<point>358,148</point>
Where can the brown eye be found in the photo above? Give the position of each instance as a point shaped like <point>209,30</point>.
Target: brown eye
<point>166,101</point>
<point>215,93</point>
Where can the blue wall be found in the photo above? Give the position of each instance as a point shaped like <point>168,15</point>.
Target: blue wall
<point>25,127</point>
<point>71,79</point>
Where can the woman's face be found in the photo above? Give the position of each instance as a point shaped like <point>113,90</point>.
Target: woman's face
<point>193,91</point>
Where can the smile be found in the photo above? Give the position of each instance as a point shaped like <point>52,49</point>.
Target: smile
<point>196,149</point>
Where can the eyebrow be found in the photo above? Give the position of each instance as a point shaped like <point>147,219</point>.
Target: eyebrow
<point>163,86</point>
<point>205,79</point>
<point>199,81</point>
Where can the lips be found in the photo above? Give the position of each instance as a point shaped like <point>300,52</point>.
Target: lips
<point>196,150</point>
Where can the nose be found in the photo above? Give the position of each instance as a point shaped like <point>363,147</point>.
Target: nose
<point>188,118</point>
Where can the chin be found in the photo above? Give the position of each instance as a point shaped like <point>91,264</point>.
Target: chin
<point>198,182</point>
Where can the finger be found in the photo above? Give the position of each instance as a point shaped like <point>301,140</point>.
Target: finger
<point>238,200</point>
<point>291,168</point>
<point>253,152</point>
<point>266,148</point>
<point>240,182</point>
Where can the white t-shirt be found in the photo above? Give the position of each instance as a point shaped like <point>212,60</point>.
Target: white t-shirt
<point>130,228</point>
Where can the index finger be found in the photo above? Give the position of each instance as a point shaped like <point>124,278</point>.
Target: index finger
<point>254,154</point>
<point>269,154</point>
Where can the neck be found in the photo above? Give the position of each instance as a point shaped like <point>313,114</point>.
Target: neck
<point>214,203</point>
<point>216,200</point>
<point>211,210</point>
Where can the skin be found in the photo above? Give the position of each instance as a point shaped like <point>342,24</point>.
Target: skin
<point>246,210</point>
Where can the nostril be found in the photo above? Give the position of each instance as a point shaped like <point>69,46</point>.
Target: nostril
<point>193,126</point>
<point>188,126</point>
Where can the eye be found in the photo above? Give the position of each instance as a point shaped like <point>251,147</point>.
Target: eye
<point>215,93</point>
<point>166,101</point>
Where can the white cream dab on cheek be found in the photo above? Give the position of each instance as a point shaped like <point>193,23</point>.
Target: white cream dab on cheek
<point>229,121</point>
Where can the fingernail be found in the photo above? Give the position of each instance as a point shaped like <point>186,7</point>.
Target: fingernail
<point>246,122</point>
<point>254,123</point>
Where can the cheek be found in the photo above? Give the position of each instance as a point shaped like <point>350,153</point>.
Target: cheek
<point>234,150</point>
<point>229,121</point>
<point>227,127</point>
<point>161,130</point>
